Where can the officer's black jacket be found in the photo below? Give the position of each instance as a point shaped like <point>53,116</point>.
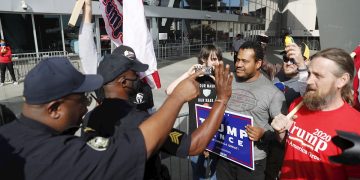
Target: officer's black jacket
<point>116,113</point>
<point>31,150</point>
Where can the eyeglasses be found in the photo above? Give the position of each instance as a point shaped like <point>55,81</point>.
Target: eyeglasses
<point>289,61</point>
<point>85,98</point>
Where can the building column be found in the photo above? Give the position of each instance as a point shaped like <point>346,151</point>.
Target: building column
<point>35,38</point>
<point>154,29</point>
<point>62,33</point>
<point>1,31</point>
<point>97,35</point>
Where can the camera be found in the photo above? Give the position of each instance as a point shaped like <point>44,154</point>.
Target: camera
<point>207,69</point>
<point>24,6</point>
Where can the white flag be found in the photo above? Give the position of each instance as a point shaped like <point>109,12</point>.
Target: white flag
<point>138,37</point>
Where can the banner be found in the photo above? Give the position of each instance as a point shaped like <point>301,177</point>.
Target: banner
<point>231,141</point>
<point>125,23</point>
<point>111,11</point>
<point>137,36</point>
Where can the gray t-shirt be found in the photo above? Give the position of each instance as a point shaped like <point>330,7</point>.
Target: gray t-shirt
<point>261,100</point>
<point>293,87</point>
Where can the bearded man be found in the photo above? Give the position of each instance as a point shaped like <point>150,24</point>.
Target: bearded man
<point>327,100</point>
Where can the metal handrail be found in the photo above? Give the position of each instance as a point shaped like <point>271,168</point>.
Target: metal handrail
<point>24,62</point>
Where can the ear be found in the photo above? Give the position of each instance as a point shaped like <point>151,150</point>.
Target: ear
<point>343,80</point>
<point>54,109</point>
<point>258,63</point>
<point>121,80</point>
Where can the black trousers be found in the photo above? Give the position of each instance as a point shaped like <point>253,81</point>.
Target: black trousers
<point>10,67</point>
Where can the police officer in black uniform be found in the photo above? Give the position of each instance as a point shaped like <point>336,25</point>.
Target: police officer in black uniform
<point>41,145</point>
<point>117,110</point>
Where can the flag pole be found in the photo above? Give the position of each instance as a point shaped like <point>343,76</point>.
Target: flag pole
<point>76,12</point>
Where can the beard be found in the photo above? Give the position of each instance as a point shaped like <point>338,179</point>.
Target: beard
<point>313,100</point>
<point>316,101</point>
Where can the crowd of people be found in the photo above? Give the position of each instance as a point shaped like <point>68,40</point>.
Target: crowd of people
<point>296,111</point>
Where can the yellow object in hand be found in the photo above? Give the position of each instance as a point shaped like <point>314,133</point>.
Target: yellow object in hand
<point>288,40</point>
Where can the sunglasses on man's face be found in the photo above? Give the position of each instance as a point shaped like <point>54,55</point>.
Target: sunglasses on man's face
<point>289,61</point>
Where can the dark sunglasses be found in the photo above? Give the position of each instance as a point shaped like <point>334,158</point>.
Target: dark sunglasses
<point>286,60</point>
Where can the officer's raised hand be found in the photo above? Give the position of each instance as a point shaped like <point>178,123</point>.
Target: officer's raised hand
<point>223,82</point>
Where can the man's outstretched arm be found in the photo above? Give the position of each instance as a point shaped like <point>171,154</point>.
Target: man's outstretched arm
<point>156,128</point>
<point>201,137</point>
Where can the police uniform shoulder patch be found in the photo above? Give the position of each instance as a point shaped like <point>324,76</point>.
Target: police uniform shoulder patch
<point>98,143</point>
<point>174,136</point>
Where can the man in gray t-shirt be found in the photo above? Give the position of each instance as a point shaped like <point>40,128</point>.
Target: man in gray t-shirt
<point>256,96</point>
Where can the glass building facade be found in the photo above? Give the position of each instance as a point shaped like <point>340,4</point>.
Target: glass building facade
<point>177,22</point>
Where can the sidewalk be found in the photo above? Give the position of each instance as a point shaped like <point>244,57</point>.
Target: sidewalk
<point>11,95</point>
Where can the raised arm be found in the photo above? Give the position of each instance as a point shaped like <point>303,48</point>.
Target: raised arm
<point>201,137</point>
<point>87,49</point>
<point>293,51</point>
<point>188,73</point>
<point>156,128</point>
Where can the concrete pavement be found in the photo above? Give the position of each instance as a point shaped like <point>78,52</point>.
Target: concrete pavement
<point>11,95</point>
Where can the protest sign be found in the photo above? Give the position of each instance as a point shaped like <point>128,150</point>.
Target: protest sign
<point>231,141</point>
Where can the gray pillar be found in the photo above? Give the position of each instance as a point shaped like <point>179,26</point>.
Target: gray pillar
<point>1,31</point>
<point>62,33</point>
<point>154,29</point>
<point>97,36</point>
<point>35,38</point>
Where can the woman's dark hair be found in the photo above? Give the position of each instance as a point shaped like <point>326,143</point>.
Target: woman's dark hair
<point>206,50</point>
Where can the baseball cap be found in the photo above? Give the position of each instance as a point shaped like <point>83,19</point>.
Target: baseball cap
<point>122,59</point>
<point>54,78</point>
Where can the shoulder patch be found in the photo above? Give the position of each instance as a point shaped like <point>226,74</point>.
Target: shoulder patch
<point>88,129</point>
<point>174,136</point>
<point>98,143</point>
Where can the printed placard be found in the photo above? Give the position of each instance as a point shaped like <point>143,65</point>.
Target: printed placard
<point>231,141</point>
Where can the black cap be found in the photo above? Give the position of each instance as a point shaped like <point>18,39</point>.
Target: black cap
<point>122,59</point>
<point>54,78</point>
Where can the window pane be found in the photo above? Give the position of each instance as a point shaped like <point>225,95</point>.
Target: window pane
<point>224,6</point>
<point>171,29</point>
<point>71,35</point>
<point>208,31</point>
<point>48,32</point>
<point>192,31</point>
<point>104,38</point>
<point>222,31</point>
<point>209,5</point>
<point>245,7</point>
<point>235,7</point>
<point>18,32</point>
<point>192,4</point>
<point>252,8</point>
